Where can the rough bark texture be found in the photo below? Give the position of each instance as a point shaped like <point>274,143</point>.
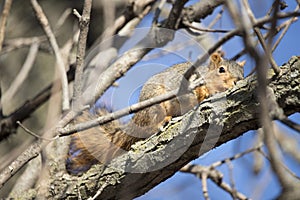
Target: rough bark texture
<point>214,122</point>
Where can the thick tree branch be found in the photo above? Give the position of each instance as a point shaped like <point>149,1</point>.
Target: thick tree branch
<point>216,121</point>
<point>200,10</point>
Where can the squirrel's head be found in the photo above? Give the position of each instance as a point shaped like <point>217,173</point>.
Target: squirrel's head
<point>223,74</point>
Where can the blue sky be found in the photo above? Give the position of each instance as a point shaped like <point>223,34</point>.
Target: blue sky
<point>185,186</point>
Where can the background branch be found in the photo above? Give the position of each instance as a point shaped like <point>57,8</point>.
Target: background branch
<point>61,66</point>
<point>3,20</point>
<point>22,75</point>
<point>84,22</point>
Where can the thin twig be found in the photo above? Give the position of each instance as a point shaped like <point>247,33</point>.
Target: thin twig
<point>8,158</point>
<point>288,144</point>
<point>62,19</point>
<point>288,24</point>
<point>61,66</point>
<point>17,43</point>
<point>34,134</point>
<point>205,29</point>
<point>131,57</point>
<point>221,162</point>
<point>8,124</point>
<point>262,95</point>
<point>3,20</point>
<point>280,164</point>
<point>266,35</point>
<point>20,78</point>
<point>157,12</point>
<point>30,153</point>
<point>203,177</point>
<point>232,184</point>
<point>217,18</point>
<point>230,35</point>
<point>128,17</point>
<point>228,189</point>
<point>272,32</point>
<point>27,180</point>
<point>213,175</point>
<point>84,22</point>
<point>261,37</point>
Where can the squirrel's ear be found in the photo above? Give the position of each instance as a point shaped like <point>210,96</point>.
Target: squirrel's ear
<point>215,60</point>
<point>241,63</point>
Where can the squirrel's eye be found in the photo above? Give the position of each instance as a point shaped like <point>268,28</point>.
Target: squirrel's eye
<point>221,70</point>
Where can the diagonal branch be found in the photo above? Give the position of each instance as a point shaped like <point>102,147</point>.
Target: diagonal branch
<point>184,141</point>
<point>60,63</point>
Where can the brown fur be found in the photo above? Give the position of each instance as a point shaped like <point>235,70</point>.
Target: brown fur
<point>103,143</point>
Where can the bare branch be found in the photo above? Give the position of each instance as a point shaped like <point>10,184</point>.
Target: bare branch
<point>157,12</point>
<point>261,37</point>
<point>8,124</point>
<point>200,10</point>
<point>266,35</point>
<point>131,15</point>
<point>32,152</point>
<point>230,35</point>
<point>257,158</point>
<point>16,43</point>
<point>32,133</point>
<point>288,24</point>
<point>272,35</point>
<point>4,15</point>
<point>281,164</point>
<point>28,178</point>
<point>288,144</point>
<point>237,156</point>
<point>217,18</point>
<point>204,184</point>
<point>155,38</point>
<point>61,66</point>
<point>84,22</point>
<point>22,75</point>
<point>268,127</point>
<point>205,29</point>
<point>215,176</point>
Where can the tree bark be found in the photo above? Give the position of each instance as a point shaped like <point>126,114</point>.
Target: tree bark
<point>214,122</point>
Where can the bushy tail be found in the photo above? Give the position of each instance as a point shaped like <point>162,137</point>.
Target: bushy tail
<point>96,145</point>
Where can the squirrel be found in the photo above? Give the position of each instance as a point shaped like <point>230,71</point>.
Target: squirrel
<point>103,143</point>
